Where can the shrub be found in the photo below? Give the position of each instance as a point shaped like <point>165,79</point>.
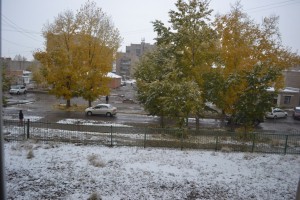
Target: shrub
<point>96,161</point>
<point>30,154</point>
<point>95,196</point>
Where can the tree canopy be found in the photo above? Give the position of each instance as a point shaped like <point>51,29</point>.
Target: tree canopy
<point>252,58</point>
<point>230,62</point>
<point>189,42</point>
<point>80,49</point>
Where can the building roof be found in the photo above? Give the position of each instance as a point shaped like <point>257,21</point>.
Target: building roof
<point>287,90</point>
<point>113,75</point>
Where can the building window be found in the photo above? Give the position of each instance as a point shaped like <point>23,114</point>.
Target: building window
<point>287,99</point>
<point>138,52</point>
<point>275,101</point>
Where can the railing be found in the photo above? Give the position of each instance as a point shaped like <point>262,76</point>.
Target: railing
<point>218,140</point>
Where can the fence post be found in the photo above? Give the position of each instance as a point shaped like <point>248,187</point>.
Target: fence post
<point>253,143</point>
<point>181,139</point>
<point>27,128</point>
<point>217,138</point>
<point>145,137</point>
<point>286,141</point>
<point>111,136</point>
<point>298,190</point>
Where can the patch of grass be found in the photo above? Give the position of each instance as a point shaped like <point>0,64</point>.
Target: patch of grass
<point>30,154</point>
<point>95,196</point>
<point>249,156</point>
<point>226,149</point>
<point>96,161</point>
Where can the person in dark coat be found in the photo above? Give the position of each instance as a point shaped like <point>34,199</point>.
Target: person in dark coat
<point>106,99</point>
<point>21,117</point>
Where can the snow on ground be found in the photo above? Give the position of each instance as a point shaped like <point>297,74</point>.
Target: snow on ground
<point>16,117</point>
<point>90,122</point>
<point>70,171</point>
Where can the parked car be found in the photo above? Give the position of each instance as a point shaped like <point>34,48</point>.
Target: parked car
<point>276,113</point>
<point>296,113</point>
<point>240,120</point>
<point>17,89</point>
<point>102,109</point>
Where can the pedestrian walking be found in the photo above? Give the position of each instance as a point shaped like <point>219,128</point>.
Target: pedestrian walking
<point>21,117</point>
<point>107,99</point>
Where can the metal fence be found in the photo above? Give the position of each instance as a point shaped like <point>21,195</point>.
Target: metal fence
<point>218,140</point>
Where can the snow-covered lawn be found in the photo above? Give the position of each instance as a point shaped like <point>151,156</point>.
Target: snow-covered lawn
<point>69,171</point>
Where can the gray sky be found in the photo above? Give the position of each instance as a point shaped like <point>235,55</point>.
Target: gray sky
<point>23,20</point>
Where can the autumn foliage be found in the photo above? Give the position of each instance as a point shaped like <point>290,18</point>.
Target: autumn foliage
<point>79,52</point>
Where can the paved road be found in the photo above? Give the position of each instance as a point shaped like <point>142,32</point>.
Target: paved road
<point>44,106</point>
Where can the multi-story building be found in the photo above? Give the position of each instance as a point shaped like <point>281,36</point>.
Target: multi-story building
<point>17,70</point>
<point>125,65</point>
<point>290,96</point>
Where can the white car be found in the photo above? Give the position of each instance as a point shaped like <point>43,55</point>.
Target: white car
<point>102,109</point>
<point>18,89</point>
<point>276,113</point>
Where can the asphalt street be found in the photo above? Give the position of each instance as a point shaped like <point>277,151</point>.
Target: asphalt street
<point>130,112</point>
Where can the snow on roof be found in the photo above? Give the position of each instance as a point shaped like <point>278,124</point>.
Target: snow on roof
<point>113,75</point>
<point>287,89</point>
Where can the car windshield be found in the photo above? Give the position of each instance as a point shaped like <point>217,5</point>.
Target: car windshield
<point>15,87</point>
<point>297,110</point>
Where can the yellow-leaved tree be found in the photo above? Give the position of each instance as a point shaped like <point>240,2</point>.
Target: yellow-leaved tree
<point>100,41</point>
<point>252,58</point>
<point>79,52</point>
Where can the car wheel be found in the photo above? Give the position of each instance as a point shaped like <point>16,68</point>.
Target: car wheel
<point>108,114</point>
<point>89,113</point>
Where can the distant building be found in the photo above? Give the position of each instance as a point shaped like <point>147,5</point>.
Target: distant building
<point>18,71</point>
<point>115,80</point>
<point>289,97</point>
<point>126,61</point>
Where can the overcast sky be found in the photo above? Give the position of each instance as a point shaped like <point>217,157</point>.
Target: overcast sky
<point>23,20</point>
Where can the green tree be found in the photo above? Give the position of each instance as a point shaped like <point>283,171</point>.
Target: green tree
<point>255,100</point>
<point>80,50</point>
<point>192,44</point>
<point>5,84</point>
<point>151,80</point>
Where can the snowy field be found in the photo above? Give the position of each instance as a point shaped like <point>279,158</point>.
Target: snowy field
<point>68,171</point>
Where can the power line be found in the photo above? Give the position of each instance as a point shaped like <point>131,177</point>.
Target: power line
<point>16,43</point>
<point>272,6</point>
<point>13,30</point>
<point>18,28</point>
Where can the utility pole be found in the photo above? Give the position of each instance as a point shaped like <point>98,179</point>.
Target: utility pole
<point>2,163</point>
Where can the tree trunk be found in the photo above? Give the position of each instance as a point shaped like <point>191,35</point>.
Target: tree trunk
<point>187,121</point>
<point>90,103</point>
<point>68,103</point>
<point>197,123</point>
<point>162,121</point>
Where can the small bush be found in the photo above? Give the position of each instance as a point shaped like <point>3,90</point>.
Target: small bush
<point>30,154</point>
<point>226,149</point>
<point>96,161</point>
<point>249,156</point>
<point>95,196</point>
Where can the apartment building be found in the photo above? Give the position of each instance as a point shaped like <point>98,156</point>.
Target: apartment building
<point>126,61</point>
<point>289,97</point>
<point>17,70</point>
